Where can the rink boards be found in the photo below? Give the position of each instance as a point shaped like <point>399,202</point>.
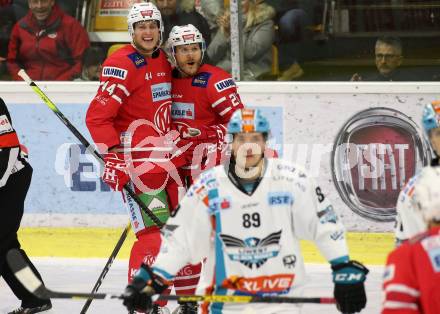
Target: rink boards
<point>368,248</point>
<point>306,117</point>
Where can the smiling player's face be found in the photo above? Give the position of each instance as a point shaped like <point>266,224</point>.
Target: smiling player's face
<point>146,36</point>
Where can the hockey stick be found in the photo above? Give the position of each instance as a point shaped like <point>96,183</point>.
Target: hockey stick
<point>107,267</point>
<point>22,73</point>
<point>33,284</point>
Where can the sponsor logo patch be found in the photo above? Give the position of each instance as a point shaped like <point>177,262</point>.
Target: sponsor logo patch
<point>289,261</point>
<point>5,125</point>
<point>432,247</point>
<point>252,252</point>
<point>182,110</point>
<point>389,272</point>
<point>224,84</point>
<point>137,59</point>
<point>147,13</point>
<point>201,79</point>
<point>161,91</point>
<point>337,235</point>
<point>126,139</point>
<point>280,198</point>
<point>114,72</point>
<point>188,37</point>
<point>225,203</point>
<point>275,284</point>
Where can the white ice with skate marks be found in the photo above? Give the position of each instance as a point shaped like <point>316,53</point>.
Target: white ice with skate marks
<point>79,275</point>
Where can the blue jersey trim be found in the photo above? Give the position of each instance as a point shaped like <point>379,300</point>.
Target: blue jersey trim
<point>339,260</point>
<point>220,269</point>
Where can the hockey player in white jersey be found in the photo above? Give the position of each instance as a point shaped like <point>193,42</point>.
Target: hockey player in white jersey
<point>246,219</point>
<point>408,221</point>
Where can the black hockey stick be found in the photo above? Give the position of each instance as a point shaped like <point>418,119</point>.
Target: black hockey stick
<point>22,73</point>
<point>33,284</point>
<point>107,267</point>
<point>98,156</point>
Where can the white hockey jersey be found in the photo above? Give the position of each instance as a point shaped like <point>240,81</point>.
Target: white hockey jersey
<point>250,241</point>
<point>408,222</point>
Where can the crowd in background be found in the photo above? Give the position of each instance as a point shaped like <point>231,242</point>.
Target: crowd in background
<point>282,40</point>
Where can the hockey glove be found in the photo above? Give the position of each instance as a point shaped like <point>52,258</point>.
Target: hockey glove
<point>115,171</point>
<point>349,290</point>
<point>137,295</point>
<point>205,133</point>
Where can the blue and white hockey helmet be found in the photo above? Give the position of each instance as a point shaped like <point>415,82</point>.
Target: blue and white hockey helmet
<point>431,116</point>
<point>248,120</point>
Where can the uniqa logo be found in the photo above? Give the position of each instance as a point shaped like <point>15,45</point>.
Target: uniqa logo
<point>375,153</point>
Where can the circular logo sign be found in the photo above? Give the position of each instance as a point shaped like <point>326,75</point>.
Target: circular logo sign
<point>375,153</point>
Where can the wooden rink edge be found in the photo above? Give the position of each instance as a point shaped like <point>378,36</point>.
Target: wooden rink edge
<point>368,248</point>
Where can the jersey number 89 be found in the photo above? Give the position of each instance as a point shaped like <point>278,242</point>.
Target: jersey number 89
<point>251,220</point>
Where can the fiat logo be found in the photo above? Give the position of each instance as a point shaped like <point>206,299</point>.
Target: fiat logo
<point>375,153</point>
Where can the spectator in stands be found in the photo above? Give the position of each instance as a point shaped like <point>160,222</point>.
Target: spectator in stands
<point>211,10</point>
<point>21,7</point>
<point>47,43</point>
<point>294,19</point>
<point>91,64</point>
<point>180,13</point>
<point>258,36</point>
<point>7,21</point>
<point>388,56</point>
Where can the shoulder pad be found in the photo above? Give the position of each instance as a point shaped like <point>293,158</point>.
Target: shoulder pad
<point>201,79</point>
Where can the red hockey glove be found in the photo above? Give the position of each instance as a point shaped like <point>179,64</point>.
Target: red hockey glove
<point>204,134</point>
<point>116,170</point>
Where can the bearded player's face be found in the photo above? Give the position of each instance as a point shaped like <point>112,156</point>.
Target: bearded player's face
<point>188,58</point>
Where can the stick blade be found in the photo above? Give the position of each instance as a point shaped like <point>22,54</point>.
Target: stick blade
<point>25,275</point>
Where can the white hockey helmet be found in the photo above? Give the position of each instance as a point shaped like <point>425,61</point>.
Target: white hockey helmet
<point>184,35</point>
<point>145,11</point>
<point>426,195</point>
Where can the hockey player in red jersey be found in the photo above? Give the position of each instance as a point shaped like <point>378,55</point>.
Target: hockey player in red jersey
<point>412,275</point>
<point>130,120</point>
<point>204,99</point>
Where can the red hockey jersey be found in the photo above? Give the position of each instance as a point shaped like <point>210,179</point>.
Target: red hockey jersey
<point>205,102</point>
<point>132,108</point>
<point>412,276</point>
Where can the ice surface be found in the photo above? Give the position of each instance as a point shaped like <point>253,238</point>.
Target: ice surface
<point>79,275</point>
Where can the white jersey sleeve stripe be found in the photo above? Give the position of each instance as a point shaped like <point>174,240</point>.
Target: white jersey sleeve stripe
<point>122,87</point>
<point>12,160</point>
<point>225,111</point>
<point>119,100</point>
<point>402,289</point>
<point>144,149</point>
<point>399,305</point>
<point>217,102</point>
